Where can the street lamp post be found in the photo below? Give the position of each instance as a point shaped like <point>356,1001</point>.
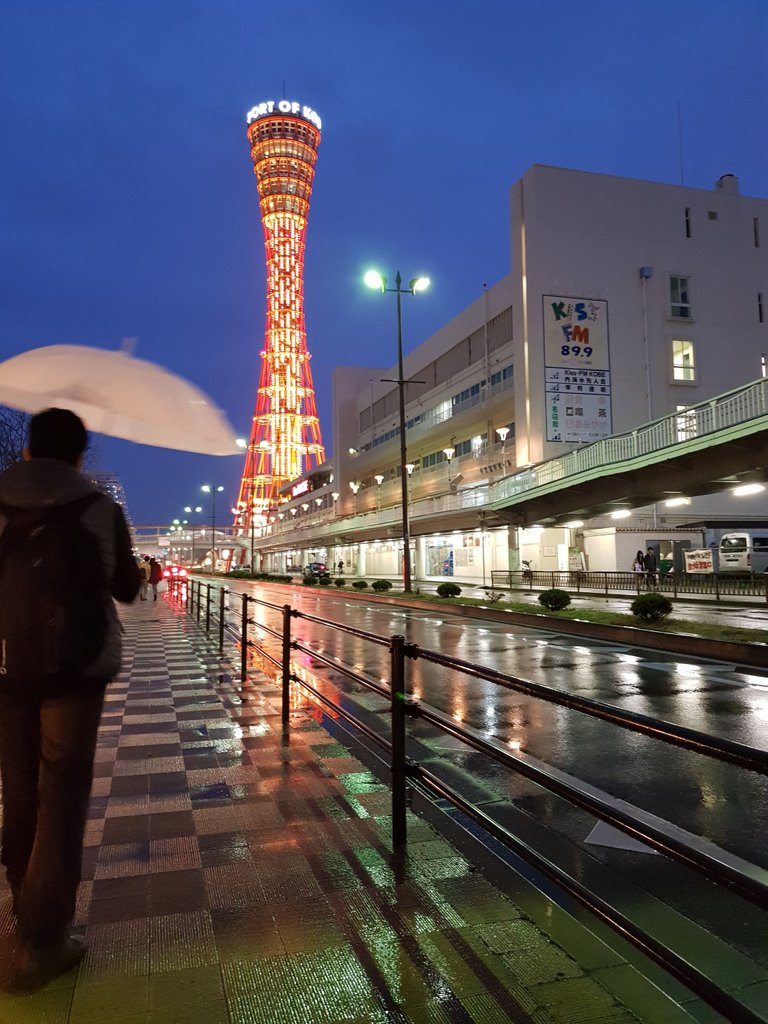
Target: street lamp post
<point>375,280</point>
<point>196,509</point>
<point>355,488</point>
<point>379,478</point>
<point>213,490</point>
<point>449,453</point>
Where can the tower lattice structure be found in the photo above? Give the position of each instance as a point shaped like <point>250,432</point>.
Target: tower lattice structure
<point>285,437</point>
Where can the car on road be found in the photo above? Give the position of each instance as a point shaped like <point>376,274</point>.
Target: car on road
<point>174,572</point>
<point>315,569</point>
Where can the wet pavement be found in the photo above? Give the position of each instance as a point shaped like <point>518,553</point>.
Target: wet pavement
<point>235,876</point>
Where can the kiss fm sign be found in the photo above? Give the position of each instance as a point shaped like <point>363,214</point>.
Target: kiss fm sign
<point>577,376</point>
<point>270,107</point>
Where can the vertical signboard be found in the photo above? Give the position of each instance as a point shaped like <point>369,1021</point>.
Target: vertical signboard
<point>577,377</point>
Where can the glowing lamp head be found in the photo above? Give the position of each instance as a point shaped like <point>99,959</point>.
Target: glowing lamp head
<point>419,284</point>
<point>373,279</point>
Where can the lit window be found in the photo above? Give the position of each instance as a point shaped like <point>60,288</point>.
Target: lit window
<point>685,423</point>
<point>679,298</point>
<point>683,365</point>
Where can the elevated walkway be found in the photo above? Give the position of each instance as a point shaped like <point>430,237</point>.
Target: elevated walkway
<point>233,876</point>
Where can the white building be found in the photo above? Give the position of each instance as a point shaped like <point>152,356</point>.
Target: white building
<point>627,301</point>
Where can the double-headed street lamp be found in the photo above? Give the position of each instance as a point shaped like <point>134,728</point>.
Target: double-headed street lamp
<point>375,280</point>
<point>213,490</point>
<point>190,509</point>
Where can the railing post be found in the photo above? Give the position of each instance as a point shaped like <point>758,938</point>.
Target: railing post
<point>244,639</point>
<point>199,602</point>
<point>190,595</point>
<point>717,586</point>
<point>286,663</point>
<point>222,605</point>
<point>397,684</point>
<point>207,607</point>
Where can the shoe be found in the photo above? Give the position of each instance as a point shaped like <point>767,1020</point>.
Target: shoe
<point>154,598</point>
<point>36,966</point>
<point>142,598</point>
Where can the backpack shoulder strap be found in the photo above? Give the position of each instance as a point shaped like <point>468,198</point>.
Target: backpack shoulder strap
<point>78,506</point>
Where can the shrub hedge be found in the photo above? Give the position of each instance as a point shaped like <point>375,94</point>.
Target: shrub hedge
<point>651,607</point>
<point>555,600</point>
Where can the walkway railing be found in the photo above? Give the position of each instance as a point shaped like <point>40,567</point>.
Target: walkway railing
<point>717,585</point>
<point>678,429</point>
<point>208,604</point>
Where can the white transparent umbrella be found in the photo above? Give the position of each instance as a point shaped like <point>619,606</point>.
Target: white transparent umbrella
<point>114,393</point>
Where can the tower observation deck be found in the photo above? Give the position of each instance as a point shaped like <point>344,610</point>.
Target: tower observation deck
<point>285,437</point>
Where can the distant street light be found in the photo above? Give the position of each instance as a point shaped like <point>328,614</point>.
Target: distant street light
<point>213,490</point>
<point>189,509</point>
<point>378,282</point>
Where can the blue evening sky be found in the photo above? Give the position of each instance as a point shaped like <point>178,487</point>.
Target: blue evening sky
<point>129,206</point>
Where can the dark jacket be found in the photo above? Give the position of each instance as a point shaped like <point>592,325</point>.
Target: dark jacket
<point>45,483</point>
<point>155,571</point>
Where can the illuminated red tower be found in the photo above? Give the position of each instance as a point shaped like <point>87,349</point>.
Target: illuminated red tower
<point>285,438</point>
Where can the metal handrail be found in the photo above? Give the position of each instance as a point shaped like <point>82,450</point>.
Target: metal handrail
<point>740,754</point>
<point>717,584</point>
<point>750,885</point>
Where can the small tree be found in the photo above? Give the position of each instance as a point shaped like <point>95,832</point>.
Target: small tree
<point>651,607</point>
<point>13,436</point>
<point>359,584</point>
<point>340,582</point>
<point>309,581</point>
<point>381,585</point>
<point>555,600</point>
<point>449,590</point>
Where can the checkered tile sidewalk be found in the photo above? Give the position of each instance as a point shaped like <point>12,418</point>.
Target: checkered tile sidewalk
<point>232,877</point>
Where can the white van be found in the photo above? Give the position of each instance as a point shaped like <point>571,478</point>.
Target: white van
<point>744,552</point>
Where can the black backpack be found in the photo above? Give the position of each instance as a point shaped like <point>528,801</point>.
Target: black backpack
<point>53,598</point>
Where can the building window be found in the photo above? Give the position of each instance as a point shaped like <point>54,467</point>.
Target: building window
<point>679,298</point>
<point>760,307</point>
<point>687,222</point>
<point>712,214</point>
<point>756,232</point>
<point>683,365</point>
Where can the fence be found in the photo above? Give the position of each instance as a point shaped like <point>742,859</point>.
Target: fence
<point>717,585</point>
<point>749,883</point>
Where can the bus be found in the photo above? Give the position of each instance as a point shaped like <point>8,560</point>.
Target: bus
<point>745,551</point>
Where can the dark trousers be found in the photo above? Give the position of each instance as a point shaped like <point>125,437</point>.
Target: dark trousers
<point>46,762</point>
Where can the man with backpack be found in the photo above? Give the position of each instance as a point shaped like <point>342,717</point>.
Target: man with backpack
<point>65,553</point>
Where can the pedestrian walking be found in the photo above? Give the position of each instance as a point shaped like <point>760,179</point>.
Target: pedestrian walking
<point>340,567</point>
<point>60,642</point>
<point>144,570</point>
<point>155,575</point>
<point>650,568</point>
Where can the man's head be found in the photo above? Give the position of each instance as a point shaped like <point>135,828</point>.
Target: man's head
<point>57,434</point>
